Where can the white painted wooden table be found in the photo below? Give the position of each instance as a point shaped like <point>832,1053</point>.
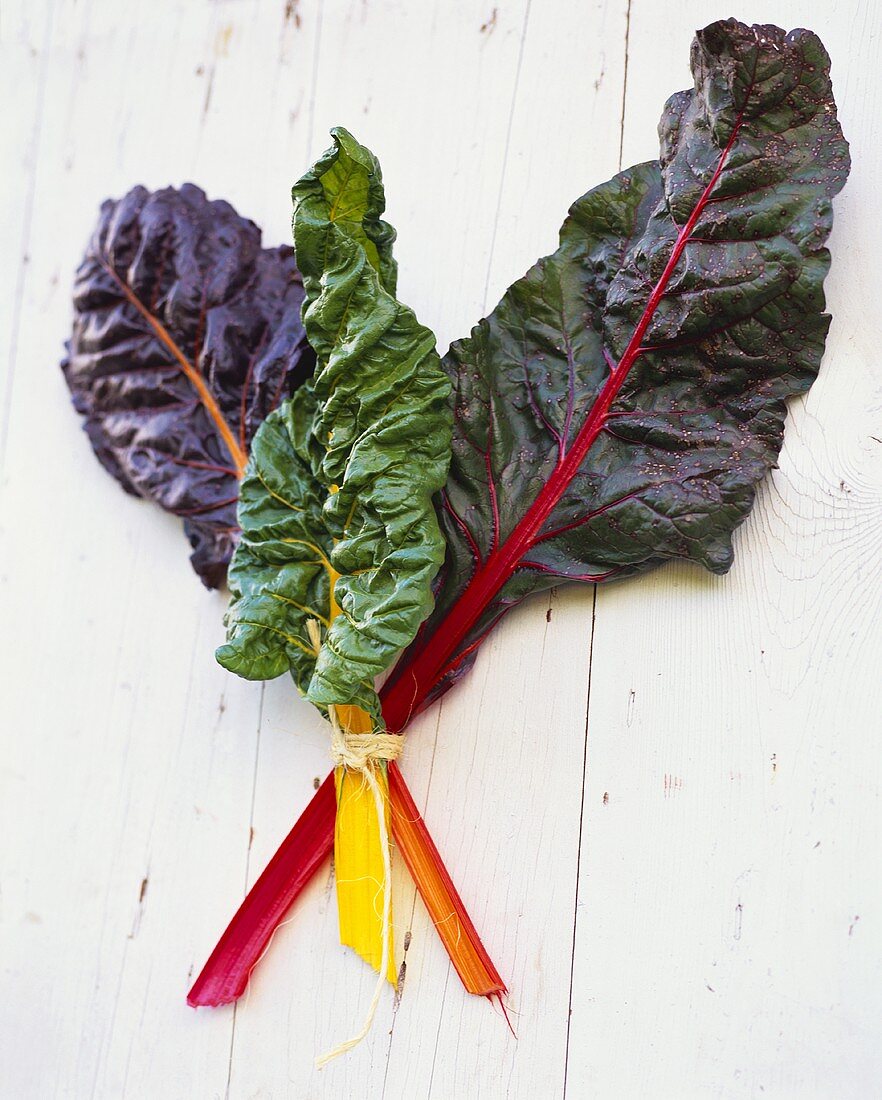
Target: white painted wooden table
<point>694,912</point>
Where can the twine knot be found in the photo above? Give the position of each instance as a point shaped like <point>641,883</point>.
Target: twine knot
<point>358,751</point>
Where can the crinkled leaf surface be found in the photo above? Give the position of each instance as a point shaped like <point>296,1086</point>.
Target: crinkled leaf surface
<point>620,405</point>
<point>187,333</point>
<point>336,506</point>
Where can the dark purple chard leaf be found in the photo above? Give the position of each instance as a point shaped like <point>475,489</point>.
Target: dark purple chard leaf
<point>186,335</point>
<point>622,402</point>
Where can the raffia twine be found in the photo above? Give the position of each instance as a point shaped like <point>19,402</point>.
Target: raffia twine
<point>362,752</point>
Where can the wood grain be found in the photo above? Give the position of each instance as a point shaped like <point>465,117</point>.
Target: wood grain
<point>683,895</point>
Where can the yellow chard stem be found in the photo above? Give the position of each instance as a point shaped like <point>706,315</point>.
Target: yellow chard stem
<point>362,854</point>
<point>358,853</point>
<point>362,844</point>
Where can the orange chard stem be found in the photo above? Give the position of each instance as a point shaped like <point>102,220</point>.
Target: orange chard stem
<point>440,896</point>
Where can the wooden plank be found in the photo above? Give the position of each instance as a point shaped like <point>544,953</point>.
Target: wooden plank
<point>729,901</point>
<point>24,39</point>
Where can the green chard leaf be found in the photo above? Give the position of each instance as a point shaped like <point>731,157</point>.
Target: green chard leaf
<point>619,406</point>
<point>336,505</point>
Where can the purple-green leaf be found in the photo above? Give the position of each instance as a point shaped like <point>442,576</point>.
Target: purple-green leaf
<point>621,403</point>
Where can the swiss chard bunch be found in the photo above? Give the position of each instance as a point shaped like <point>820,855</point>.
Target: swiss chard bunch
<point>615,411</point>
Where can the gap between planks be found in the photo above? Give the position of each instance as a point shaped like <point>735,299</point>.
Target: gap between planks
<point>591,653</point>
